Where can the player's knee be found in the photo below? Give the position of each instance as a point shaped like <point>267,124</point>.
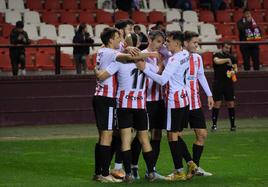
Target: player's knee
<point>201,136</point>
<point>106,138</point>
<point>172,136</point>
<point>230,104</point>
<point>156,134</point>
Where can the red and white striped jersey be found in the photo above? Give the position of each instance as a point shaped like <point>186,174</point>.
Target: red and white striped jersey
<point>121,47</point>
<point>154,91</point>
<point>131,85</point>
<point>175,76</point>
<point>195,76</point>
<point>107,87</point>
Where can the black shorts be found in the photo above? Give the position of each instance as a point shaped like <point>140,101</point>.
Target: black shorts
<point>156,114</point>
<point>223,90</point>
<point>176,118</point>
<point>104,109</point>
<point>197,119</point>
<point>135,118</point>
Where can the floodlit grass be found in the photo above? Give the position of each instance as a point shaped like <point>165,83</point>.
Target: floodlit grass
<point>63,155</point>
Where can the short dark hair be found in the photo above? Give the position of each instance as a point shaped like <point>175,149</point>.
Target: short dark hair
<point>154,33</point>
<point>122,23</point>
<point>19,24</point>
<point>176,35</point>
<point>188,35</point>
<point>81,27</point>
<point>137,27</point>
<point>246,10</point>
<point>107,34</point>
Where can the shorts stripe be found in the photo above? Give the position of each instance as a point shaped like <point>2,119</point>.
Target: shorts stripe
<point>168,119</point>
<point>110,118</point>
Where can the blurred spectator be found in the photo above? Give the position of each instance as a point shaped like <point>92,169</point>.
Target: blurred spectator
<point>124,5</point>
<point>240,3</point>
<point>80,53</point>
<point>213,5</point>
<point>249,31</point>
<point>159,26</point>
<point>17,54</point>
<point>142,37</point>
<point>107,4</point>
<point>180,4</point>
<point>129,5</point>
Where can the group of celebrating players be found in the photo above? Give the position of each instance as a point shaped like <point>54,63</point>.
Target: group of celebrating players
<point>146,91</point>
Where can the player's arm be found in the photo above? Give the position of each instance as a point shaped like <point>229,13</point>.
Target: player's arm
<point>101,74</point>
<point>204,83</point>
<point>106,73</point>
<point>218,60</point>
<point>124,58</point>
<point>160,79</point>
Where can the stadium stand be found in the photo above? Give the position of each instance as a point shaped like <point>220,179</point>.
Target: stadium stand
<point>206,16</point>
<point>31,29</point>
<point>52,5</point>
<point>173,15</point>
<point>3,6</point>
<point>32,17</point>
<point>50,18</point>
<point>13,16</point>
<point>34,5</point>
<point>54,20</point>
<point>15,4</point>
<point>48,31</point>
<point>87,17</point>
<point>173,26</point>
<point>69,5</point>
<point>139,17</point>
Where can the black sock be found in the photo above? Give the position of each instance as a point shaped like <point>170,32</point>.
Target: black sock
<point>136,150</point>
<point>197,152</point>
<point>105,155</point>
<point>185,152</point>
<point>156,149</point>
<point>126,155</point>
<point>176,151</point>
<point>232,116</point>
<point>215,113</point>
<point>149,160</point>
<point>97,160</point>
<point>116,143</point>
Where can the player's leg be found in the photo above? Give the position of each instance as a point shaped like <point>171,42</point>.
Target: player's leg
<point>104,111</point>
<point>198,147</point>
<point>229,98</point>
<point>125,124</point>
<point>231,111</point>
<point>135,149</point>
<point>117,171</point>
<point>174,126</point>
<point>155,110</point>
<point>217,97</point>
<point>141,125</point>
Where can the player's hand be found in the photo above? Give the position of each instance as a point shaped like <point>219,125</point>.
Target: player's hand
<point>210,102</point>
<point>133,51</point>
<point>229,62</point>
<point>141,64</point>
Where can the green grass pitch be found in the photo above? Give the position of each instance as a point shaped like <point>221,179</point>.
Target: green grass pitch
<point>63,155</point>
